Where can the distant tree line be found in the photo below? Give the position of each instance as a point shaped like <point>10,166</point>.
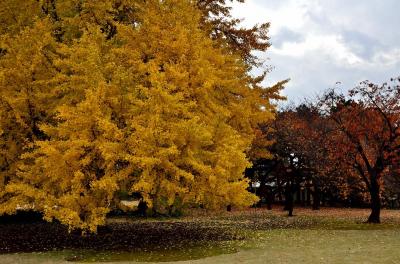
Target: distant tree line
<point>341,148</point>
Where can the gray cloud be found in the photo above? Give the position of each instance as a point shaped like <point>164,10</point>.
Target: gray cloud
<point>319,42</point>
<point>286,35</point>
<point>362,44</point>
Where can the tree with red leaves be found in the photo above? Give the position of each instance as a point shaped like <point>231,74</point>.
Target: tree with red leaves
<point>368,133</point>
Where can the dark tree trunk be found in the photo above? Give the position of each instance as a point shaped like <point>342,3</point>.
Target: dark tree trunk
<point>142,208</point>
<point>308,197</point>
<point>262,191</point>
<point>289,199</point>
<point>375,200</point>
<point>322,197</point>
<point>269,199</point>
<point>290,207</point>
<point>316,197</point>
<point>279,189</point>
<point>299,199</point>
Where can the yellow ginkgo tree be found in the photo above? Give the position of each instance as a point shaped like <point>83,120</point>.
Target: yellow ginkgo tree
<point>134,96</point>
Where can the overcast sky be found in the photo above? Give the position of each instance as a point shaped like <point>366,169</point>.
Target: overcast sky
<point>317,43</point>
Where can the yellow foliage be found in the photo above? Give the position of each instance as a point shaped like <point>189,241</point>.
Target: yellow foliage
<point>92,104</point>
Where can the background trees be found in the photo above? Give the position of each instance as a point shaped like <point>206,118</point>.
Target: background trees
<point>301,155</point>
<point>347,146</point>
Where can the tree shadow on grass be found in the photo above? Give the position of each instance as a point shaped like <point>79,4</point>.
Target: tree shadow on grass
<point>24,234</point>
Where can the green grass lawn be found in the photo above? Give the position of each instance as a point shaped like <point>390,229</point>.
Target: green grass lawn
<point>329,236</point>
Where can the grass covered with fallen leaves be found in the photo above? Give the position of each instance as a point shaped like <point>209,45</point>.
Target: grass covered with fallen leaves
<point>254,235</point>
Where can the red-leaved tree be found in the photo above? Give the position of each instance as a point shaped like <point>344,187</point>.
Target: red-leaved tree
<point>368,134</point>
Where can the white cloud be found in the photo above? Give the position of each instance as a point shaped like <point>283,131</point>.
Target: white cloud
<point>331,46</point>
<point>293,14</point>
<point>319,42</point>
<point>387,58</point>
